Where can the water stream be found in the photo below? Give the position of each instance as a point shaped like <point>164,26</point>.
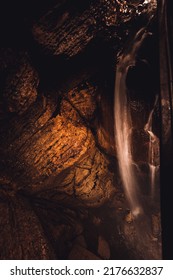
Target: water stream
<point>153,151</point>
<point>123,124</point>
<point>135,175</point>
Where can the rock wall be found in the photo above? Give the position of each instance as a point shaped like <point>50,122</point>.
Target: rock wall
<point>58,168</point>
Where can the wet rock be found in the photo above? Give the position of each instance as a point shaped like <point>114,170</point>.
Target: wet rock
<point>140,150</point>
<point>128,9</point>
<point>105,140</point>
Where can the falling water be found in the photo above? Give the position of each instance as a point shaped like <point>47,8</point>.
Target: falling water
<point>141,205</point>
<point>153,151</point>
<point>123,124</point>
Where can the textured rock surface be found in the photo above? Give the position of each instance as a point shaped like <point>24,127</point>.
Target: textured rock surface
<point>59,150</point>
<point>65,30</point>
<point>17,240</point>
<point>21,86</point>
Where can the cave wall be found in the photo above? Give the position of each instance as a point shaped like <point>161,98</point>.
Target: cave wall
<point>58,160</point>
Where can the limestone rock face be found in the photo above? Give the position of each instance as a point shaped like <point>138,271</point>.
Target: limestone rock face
<point>67,28</point>
<point>79,104</point>
<point>45,150</point>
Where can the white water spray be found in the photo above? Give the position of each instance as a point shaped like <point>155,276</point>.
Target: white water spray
<point>123,124</point>
<point>153,151</point>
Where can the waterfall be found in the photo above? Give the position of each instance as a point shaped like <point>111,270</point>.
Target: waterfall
<point>123,124</point>
<point>138,164</point>
<point>153,151</point>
